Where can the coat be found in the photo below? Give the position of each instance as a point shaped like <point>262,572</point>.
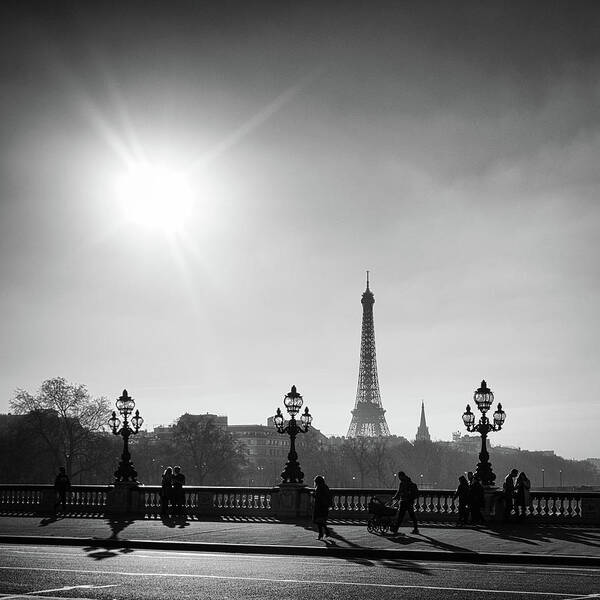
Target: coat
<point>322,501</point>
<point>508,487</point>
<point>476,493</point>
<point>462,492</point>
<point>407,491</point>
<point>522,496</point>
<point>62,483</point>
<point>166,486</point>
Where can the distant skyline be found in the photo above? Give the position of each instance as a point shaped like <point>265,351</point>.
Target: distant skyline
<point>449,148</point>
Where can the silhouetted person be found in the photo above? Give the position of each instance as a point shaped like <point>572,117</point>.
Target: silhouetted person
<point>476,498</point>
<point>406,494</point>
<point>178,481</point>
<point>322,501</point>
<point>166,491</point>
<point>62,485</point>
<point>522,495</point>
<point>508,489</point>
<point>463,493</point>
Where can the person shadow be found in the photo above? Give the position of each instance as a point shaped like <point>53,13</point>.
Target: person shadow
<point>397,564</point>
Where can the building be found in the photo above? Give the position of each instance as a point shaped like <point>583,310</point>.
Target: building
<point>467,443</point>
<point>595,462</point>
<point>266,449</point>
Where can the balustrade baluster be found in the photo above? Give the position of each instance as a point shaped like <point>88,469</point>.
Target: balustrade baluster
<point>445,506</point>
<point>569,509</point>
<point>547,505</point>
<point>438,505</point>
<point>578,507</point>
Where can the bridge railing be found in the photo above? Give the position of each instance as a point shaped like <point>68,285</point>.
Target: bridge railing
<point>215,501</point>
<point>42,499</point>
<point>440,505</point>
<point>350,504</point>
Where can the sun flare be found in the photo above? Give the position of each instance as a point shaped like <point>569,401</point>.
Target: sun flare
<point>156,197</point>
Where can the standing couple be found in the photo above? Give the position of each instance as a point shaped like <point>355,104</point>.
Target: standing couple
<point>471,497</point>
<point>171,490</point>
<point>517,497</point>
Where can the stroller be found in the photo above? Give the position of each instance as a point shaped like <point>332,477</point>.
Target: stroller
<point>384,516</point>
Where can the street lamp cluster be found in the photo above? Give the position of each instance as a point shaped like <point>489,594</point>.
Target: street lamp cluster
<point>125,405</point>
<point>293,403</point>
<point>483,398</point>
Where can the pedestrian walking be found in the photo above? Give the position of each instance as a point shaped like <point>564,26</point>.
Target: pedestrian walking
<point>322,499</point>
<point>522,495</point>
<point>62,485</point>
<point>406,495</point>
<point>166,491</point>
<point>476,499</point>
<point>462,493</point>
<point>508,490</point>
<point>178,494</point>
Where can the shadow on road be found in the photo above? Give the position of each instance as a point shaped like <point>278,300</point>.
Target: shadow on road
<point>48,521</point>
<point>337,540</point>
<point>537,536</point>
<point>100,552</point>
<point>117,525</point>
<point>444,546</point>
<point>179,521</point>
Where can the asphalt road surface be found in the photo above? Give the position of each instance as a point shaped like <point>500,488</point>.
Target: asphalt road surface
<point>96,573</point>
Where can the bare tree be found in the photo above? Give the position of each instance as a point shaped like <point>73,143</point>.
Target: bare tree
<point>358,453</point>
<point>65,416</point>
<point>378,460</point>
<point>211,453</point>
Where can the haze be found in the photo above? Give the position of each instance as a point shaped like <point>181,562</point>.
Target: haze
<point>449,148</point>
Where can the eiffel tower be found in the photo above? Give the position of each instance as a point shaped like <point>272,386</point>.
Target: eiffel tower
<point>368,416</point>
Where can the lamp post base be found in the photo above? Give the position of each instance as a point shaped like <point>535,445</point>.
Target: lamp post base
<point>291,501</point>
<point>485,474</point>
<point>292,474</point>
<point>126,499</point>
<point>126,473</point>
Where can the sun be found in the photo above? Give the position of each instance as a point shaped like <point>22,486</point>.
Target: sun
<point>156,197</point>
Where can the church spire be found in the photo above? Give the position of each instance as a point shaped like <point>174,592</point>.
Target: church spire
<point>423,430</point>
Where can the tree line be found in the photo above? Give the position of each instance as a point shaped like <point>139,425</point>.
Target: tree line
<point>63,425</point>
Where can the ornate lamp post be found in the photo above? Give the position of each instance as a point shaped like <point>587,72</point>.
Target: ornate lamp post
<point>125,405</point>
<point>293,403</point>
<point>484,397</point>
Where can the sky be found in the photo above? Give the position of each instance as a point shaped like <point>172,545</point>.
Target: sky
<point>449,148</point>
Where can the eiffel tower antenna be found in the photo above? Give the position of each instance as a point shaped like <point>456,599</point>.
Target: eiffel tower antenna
<point>368,416</point>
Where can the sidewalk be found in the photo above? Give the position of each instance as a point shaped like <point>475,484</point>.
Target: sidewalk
<point>501,543</point>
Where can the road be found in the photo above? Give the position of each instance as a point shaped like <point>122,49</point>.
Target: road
<point>106,574</point>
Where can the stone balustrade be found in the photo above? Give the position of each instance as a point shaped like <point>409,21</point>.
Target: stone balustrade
<point>286,501</point>
<point>42,499</point>
<point>440,505</point>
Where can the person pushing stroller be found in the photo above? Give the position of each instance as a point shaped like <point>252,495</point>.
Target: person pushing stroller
<point>406,494</point>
